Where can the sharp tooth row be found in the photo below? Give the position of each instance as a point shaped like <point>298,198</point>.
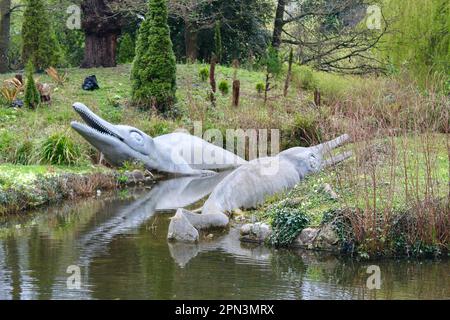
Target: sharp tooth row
<point>105,131</point>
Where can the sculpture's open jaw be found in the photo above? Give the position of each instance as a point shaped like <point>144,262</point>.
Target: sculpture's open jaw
<point>103,136</point>
<point>94,126</point>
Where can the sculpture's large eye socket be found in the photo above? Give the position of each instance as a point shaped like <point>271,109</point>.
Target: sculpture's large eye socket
<point>137,137</point>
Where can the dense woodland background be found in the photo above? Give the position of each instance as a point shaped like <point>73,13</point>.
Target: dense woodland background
<point>328,35</point>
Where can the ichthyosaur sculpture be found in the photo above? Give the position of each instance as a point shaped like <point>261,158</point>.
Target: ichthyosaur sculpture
<point>249,185</point>
<point>175,153</point>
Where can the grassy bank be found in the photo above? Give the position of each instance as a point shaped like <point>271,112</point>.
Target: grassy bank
<point>374,102</point>
<point>28,187</point>
<point>389,200</point>
<point>392,197</point>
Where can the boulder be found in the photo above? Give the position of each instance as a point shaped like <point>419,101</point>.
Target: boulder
<point>329,190</point>
<point>137,177</point>
<point>256,232</point>
<point>327,238</point>
<point>324,238</point>
<point>306,238</point>
<point>181,229</point>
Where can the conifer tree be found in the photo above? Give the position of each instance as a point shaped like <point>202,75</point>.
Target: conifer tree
<point>154,69</point>
<point>218,48</point>
<point>39,40</point>
<point>32,96</point>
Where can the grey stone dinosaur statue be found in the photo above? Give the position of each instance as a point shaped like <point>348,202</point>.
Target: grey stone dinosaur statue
<point>249,185</point>
<point>176,153</point>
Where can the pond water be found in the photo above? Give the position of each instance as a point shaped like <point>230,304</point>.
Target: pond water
<point>118,241</point>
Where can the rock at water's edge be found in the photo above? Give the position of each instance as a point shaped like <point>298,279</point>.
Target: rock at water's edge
<point>306,238</point>
<point>257,232</point>
<point>180,229</point>
<point>324,238</point>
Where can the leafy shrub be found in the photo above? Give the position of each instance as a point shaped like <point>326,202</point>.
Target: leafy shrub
<point>60,149</point>
<point>287,223</point>
<point>203,74</point>
<point>157,127</point>
<point>260,87</point>
<point>305,131</point>
<point>6,144</point>
<point>224,87</point>
<point>10,90</point>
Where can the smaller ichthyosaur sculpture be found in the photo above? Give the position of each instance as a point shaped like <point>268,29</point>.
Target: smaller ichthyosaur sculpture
<point>249,185</point>
<point>174,154</point>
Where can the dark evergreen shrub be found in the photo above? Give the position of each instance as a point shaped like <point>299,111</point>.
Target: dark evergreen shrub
<point>39,40</point>
<point>32,96</point>
<point>154,69</point>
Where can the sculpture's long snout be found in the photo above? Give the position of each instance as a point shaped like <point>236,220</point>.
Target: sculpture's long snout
<point>94,125</point>
<point>333,144</point>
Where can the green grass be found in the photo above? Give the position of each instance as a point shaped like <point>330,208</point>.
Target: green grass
<point>13,176</point>
<point>391,191</point>
<point>368,108</point>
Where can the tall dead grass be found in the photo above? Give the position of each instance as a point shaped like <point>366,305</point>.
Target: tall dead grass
<point>399,178</point>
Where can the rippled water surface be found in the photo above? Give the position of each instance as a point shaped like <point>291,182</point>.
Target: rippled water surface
<point>119,243</point>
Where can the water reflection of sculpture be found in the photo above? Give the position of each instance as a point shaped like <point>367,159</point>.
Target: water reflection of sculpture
<point>165,196</point>
<point>246,187</point>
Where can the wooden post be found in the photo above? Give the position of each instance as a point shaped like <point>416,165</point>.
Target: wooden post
<point>236,92</point>
<point>236,84</point>
<point>317,97</point>
<point>212,80</point>
<point>212,73</point>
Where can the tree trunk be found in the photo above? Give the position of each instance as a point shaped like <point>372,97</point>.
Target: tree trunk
<point>190,38</point>
<point>267,88</point>
<point>100,51</point>
<point>102,28</point>
<point>5,26</point>
<point>279,24</point>
<point>289,73</point>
